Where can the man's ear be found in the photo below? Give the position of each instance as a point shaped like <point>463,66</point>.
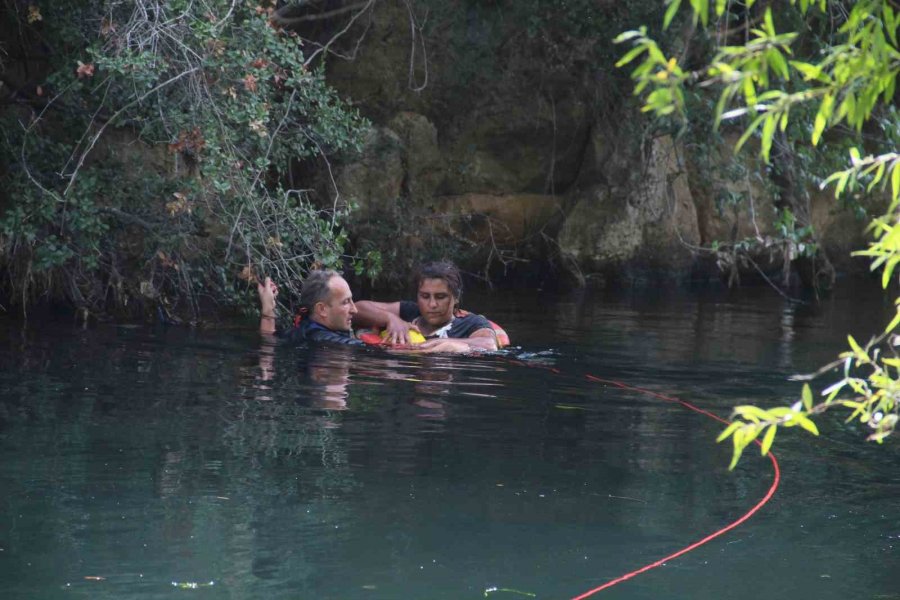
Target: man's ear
<point>319,309</point>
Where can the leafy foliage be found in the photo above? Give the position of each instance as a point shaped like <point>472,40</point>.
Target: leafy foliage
<point>850,79</point>
<point>159,140</point>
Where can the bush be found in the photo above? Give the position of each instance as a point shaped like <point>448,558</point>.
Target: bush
<point>150,158</point>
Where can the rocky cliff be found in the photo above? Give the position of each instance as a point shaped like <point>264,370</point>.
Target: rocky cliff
<point>527,151</point>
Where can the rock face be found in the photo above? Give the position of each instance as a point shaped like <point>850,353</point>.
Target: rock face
<point>376,176</point>
<point>503,148</point>
<point>650,225</point>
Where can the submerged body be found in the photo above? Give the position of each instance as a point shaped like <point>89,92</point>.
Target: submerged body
<point>329,313</point>
<point>435,314</point>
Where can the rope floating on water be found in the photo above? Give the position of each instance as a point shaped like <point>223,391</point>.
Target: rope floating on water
<point>775,481</point>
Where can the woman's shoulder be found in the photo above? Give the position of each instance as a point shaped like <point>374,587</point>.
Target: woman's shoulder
<point>466,323</point>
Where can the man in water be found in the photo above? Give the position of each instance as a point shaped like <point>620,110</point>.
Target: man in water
<point>435,314</point>
<point>326,306</point>
<point>328,312</point>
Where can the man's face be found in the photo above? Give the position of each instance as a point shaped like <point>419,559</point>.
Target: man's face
<point>435,302</point>
<point>337,313</point>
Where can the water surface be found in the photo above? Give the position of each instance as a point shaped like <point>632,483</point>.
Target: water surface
<point>135,457</point>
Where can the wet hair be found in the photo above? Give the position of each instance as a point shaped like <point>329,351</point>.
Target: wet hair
<point>315,288</point>
<point>445,270</point>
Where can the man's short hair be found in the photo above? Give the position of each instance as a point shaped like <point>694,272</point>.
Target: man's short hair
<point>445,270</point>
<point>315,288</point>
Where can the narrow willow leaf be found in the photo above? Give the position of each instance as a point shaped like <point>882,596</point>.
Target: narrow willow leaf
<point>768,133</point>
<point>809,71</point>
<point>704,11</point>
<point>879,173</point>
<point>779,65</point>
<point>728,431</point>
<point>895,180</point>
<point>807,397</point>
<point>749,92</point>
<point>768,439</point>
<point>670,13</point>
<point>843,178</point>
<point>888,271</point>
<point>736,455</point>
<point>631,55</point>
<point>888,22</point>
<point>627,35</point>
<point>806,424</point>
<point>720,7</point>
<point>746,135</point>
<point>822,118</point>
<point>832,391</point>
<point>857,349</point>
<point>770,25</point>
<point>748,411</point>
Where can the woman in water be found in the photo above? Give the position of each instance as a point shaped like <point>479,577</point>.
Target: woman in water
<point>435,314</point>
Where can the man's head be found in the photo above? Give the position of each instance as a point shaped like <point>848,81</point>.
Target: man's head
<point>438,291</point>
<point>327,297</point>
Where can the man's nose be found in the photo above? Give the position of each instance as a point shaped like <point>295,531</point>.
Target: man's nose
<point>353,310</point>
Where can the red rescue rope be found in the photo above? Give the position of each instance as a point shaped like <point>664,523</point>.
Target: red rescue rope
<point>712,536</point>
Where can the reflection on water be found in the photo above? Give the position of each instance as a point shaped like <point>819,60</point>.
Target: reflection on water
<point>132,458</point>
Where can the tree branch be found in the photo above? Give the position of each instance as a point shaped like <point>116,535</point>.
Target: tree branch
<point>291,21</point>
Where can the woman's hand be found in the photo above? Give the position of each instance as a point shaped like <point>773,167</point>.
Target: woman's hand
<point>398,330</point>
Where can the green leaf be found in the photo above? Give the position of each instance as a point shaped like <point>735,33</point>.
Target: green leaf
<point>736,456</point>
<point>895,180</point>
<point>767,133</point>
<point>749,92</point>
<point>806,424</point>
<point>889,270</point>
<point>670,12</point>
<point>631,55</point>
<point>768,439</point>
<point>779,65</point>
<point>728,431</point>
<point>627,35</point>
<point>770,25</point>
<point>822,118</point>
<point>887,23</point>
<point>807,397</point>
<point>746,135</point>
<point>857,350</point>
<point>809,71</point>
<point>879,173</point>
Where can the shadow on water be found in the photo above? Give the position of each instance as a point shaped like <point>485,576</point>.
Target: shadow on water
<point>132,458</point>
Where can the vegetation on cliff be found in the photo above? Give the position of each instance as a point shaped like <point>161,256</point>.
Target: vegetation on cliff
<point>147,151</point>
<point>832,81</point>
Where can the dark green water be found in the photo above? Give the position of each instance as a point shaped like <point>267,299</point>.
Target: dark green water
<point>146,456</point>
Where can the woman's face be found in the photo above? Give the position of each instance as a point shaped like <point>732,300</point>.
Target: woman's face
<point>435,302</point>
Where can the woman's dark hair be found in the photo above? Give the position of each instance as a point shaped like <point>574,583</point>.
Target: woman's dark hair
<point>445,270</point>
<point>315,288</point>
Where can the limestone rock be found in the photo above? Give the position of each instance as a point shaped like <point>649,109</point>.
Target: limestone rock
<point>422,157</point>
<point>502,220</point>
<point>375,177</point>
<point>648,225</point>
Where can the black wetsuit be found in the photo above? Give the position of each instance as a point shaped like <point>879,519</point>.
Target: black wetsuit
<point>460,327</point>
<point>311,331</point>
